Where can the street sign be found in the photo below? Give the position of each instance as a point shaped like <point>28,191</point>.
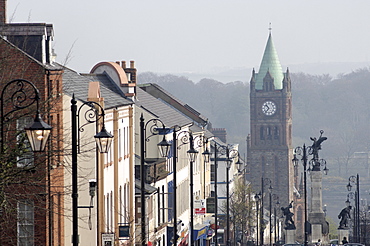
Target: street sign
<point>107,239</point>
<point>200,211</point>
<point>200,207</point>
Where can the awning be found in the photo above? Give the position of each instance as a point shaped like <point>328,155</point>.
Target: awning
<point>200,231</point>
<point>184,241</point>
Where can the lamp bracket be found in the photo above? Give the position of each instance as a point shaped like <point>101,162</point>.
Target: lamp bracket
<point>93,114</point>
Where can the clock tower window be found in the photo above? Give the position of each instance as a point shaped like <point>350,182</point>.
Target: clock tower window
<point>262,137</point>
<point>276,132</point>
<point>268,132</point>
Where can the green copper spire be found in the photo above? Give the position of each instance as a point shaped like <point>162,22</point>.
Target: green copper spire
<point>270,63</point>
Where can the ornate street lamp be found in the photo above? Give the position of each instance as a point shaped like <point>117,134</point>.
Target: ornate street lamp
<point>222,150</point>
<point>20,94</point>
<point>94,113</point>
<point>164,148</point>
<point>185,137</point>
<point>38,133</point>
<point>192,153</point>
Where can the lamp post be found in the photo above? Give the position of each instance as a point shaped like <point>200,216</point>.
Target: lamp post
<point>275,197</point>
<point>355,180</point>
<point>103,140</point>
<point>192,157</point>
<point>270,213</point>
<point>20,94</point>
<point>185,137</point>
<point>164,146</point>
<point>17,95</point>
<point>257,197</point>
<point>220,150</point>
<point>262,223</point>
<point>228,164</point>
<point>313,165</point>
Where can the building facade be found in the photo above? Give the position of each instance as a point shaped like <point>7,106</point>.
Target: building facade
<point>31,184</point>
<point>270,142</point>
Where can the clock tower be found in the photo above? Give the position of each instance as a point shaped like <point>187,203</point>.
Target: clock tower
<point>270,141</point>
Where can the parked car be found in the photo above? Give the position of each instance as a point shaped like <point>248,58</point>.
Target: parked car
<point>279,243</point>
<point>334,242</point>
<point>354,244</point>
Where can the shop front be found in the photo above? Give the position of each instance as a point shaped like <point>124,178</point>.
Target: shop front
<point>200,234</point>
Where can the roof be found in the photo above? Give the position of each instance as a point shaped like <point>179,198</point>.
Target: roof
<point>52,67</point>
<point>160,109</point>
<point>270,63</point>
<point>78,84</point>
<point>148,188</point>
<point>158,92</point>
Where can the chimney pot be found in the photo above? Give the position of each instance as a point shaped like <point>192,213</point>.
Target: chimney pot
<point>132,64</point>
<point>123,64</point>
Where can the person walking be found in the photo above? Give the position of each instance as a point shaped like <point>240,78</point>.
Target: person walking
<point>344,241</point>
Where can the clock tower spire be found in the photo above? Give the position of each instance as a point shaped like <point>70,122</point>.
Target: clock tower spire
<point>270,142</point>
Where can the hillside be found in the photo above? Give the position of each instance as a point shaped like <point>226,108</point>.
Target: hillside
<point>337,106</point>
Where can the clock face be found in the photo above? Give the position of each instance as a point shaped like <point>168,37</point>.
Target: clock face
<point>268,108</point>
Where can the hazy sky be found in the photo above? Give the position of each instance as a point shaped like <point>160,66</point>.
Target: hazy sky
<point>201,36</point>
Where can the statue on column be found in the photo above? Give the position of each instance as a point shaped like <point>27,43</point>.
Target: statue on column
<point>344,216</point>
<point>289,223</point>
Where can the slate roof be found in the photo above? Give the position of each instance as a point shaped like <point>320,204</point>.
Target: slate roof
<point>78,84</point>
<point>160,109</point>
<point>148,188</point>
<point>157,91</point>
<point>170,115</point>
<point>53,66</point>
<point>270,63</point>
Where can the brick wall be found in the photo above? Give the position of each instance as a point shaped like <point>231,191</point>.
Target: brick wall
<point>2,12</point>
<point>34,184</point>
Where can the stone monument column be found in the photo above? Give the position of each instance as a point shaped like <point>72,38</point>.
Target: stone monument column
<point>316,216</point>
<point>342,233</point>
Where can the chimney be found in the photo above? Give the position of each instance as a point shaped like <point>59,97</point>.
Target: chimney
<point>132,64</point>
<point>123,64</point>
<point>2,12</point>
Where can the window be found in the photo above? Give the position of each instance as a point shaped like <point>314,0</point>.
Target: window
<point>25,223</point>
<point>26,155</point>
<point>262,137</point>
<point>119,144</point>
<point>120,204</point>
<point>124,142</point>
<point>107,213</point>
<point>212,172</point>
<point>268,132</point>
<point>276,132</point>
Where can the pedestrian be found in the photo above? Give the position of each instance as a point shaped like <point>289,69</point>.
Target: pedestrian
<point>318,242</point>
<point>344,241</point>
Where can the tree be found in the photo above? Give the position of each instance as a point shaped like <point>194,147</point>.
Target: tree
<point>241,210</point>
<point>28,181</point>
